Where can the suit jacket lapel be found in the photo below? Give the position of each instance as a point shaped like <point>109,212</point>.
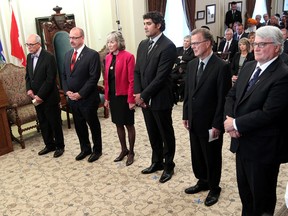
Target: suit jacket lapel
<point>40,59</point>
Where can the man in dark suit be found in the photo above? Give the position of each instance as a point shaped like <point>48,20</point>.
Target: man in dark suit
<point>256,119</point>
<point>207,83</point>
<point>153,92</point>
<point>41,86</point>
<point>80,78</point>
<point>233,15</point>
<point>228,45</point>
<point>285,45</point>
<point>239,33</point>
<point>185,54</point>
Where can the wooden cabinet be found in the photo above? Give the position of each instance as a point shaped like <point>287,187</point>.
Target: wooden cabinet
<point>5,136</point>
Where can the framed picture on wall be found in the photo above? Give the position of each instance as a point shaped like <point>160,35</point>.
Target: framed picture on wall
<point>200,15</point>
<point>210,13</point>
<point>285,5</point>
<point>239,5</point>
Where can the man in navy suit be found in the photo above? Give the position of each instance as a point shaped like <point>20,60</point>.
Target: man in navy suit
<point>256,119</point>
<point>233,15</point>
<point>41,86</point>
<point>80,78</point>
<point>153,92</point>
<point>207,83</point>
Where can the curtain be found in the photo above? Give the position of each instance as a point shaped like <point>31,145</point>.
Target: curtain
<point>250,5</point>
<point>157,5</point>
<point>268,5</point>
<point>189,11</point>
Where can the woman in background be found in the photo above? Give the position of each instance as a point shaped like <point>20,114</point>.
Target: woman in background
<point>240,58</point>
<point>119,84</point>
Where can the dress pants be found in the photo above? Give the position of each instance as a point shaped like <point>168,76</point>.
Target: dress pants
<point>206,160</point>
<point>257,184</point>
<point>50,122</point>
<point>161,135</point>
<point>83,114</point>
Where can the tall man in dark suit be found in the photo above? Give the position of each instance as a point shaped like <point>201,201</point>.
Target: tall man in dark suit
<point>153,92</point>
<point>184,55</point>
<point>80,78</point>
<point>233,15</point>
<point>256,119</point>
<point>207,83</point>
<point>41,86</point>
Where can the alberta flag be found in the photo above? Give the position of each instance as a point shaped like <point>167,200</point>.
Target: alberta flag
<point>2,57</point>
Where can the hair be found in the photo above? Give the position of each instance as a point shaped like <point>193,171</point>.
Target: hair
<point>118,37</point>
<point>80,31</point>
<point>233,3</point>
<point>271,32</point>
<point>229,30</point>
<point>251,34</point>
<point>37,38</point>
<point>156,18</point>
<point>187,37</point>
<point>246,42</point>
<point>207,35</point>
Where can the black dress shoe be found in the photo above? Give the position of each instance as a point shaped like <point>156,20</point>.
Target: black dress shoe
<point>196,189</point>
<point>130,159</point>
<point>82,155</point>
<point>46,150</point>
<point>166,176</point>
<point>212,197</point>
<point>122,155</point>
<point>94,156</point>
<point>153,168</point>
<point>58,152</point>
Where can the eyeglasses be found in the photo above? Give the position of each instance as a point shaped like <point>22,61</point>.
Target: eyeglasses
<point>197,43</point>
<point>30,44</point>
<point>74,38</point>
<point>261,44</point>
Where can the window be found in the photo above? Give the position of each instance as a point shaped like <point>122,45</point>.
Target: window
<point>176,26</point>
<point>260,8</point>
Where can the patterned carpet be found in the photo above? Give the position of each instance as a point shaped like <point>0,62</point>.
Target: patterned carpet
<point>45,186</point>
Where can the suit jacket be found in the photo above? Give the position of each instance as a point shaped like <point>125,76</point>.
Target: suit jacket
<point>285,47</point>
<point>235,36</point>
<point>234,66</point>
<point>232,49</point>
<point>229,17</point>
<point>152,73</point>
<point>43,80</point>
<point>186,57</point>
<point>260,113</point>
<point>85,75</point>
<point>124,75</point>
<point>204,104</point>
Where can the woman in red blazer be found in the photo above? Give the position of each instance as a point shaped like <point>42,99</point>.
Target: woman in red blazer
<point>119,89</point>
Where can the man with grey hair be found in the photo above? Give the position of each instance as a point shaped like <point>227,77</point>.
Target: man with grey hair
<point>228,45</point>
<point>258,18</point>
<point>256,119</point>
<point>206,85</point>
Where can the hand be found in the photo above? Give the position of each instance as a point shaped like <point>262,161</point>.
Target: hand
<point>107,104</point>
<point>228,124</point>
<point>215,132</point>
<point>234,134</point>
<point>30,93</point>
<point>38,99</point>
<point>139,101</point>
<point>186,124</point>
<point>132,106</point>
<point>74,96</point>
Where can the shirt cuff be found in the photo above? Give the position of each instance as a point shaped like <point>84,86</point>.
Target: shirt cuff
<point>234,124</point>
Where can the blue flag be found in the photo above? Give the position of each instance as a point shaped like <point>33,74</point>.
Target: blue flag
<point>2,57</point>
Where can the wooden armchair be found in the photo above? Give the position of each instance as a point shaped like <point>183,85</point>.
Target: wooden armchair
<point>20,110</point>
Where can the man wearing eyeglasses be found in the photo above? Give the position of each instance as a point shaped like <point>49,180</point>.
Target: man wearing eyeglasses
<point>41,86</point>
<point>80,77</point>
<point>256,119</point>
<point>207,83</point>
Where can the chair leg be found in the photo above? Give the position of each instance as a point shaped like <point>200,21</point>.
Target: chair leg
<point>22,143</point>
<point>68,117</point>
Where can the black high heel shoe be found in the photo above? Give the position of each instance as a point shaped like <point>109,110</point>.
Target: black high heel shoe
<point>121,156</point>
<point>130,159</point>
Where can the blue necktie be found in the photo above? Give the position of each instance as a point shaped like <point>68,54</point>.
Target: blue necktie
<point>254,79</point>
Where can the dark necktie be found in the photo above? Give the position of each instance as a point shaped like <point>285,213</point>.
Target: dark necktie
<point>200,71</point>
<point>150,46</point>
<point>233,14</point>
<point>73,60</point>
<point>254,79</point>
<point>226,47</point>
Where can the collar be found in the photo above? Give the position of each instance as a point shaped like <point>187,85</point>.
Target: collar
<point>80,49</point>
<point>205,60</point>
<point>266,64</point>
<point>155,39</point>
<point>37,54</point>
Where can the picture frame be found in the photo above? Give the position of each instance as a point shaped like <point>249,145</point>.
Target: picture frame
<point>200,15</point>
<point>210,13</point>
<point>239,5</point>
<point>285,5</point>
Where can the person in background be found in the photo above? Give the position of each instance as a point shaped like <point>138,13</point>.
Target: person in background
<point>233,15</point>
<point>228,45</point>
<point>207,83</point>
<point>239,33</point>
<point>251,25</point>
<point>274,21</point>
<point>285,44</point>
<point>185,54</point>
<point>82,70</point>
<point>153,92</point>
<point>240,58</point>
<point>258,18</point>
<point>119,98</point>
<point>41,86</point>
<point>251,38</point>
<point>266,19</point>
<point>256,119</point>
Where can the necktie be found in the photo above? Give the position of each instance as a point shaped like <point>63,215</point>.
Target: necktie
<point>226,47</point>
<point>200,71</point>
<point>254,79</point>
<point>150,46</point>
<point>233,14</point>
<point>34,60</point>
<point>73,60</point>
